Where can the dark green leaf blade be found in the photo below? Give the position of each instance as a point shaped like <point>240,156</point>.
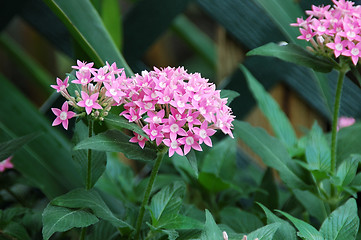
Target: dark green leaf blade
<point>295,54</point>
<point>9,147</point>
<point>121,122</point>
<point>343,223</point>
<point>265,232</point>
<point>81,198</point>
<point>229,94</point>
<point>277,118</point>
<point>270,150</point>
<point>211,230</point>
<point>306,230</point>
<point>59,219</point>
<point>192,158</point>
<point>240,221</point>
<point>116,141</point>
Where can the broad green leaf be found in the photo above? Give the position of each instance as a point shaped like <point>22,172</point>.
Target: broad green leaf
<point>212,183</point>
<point>116,141</point>
<point>182,222</point>
<point>346,172</point>
<point>285,230</point>
<point>295,54</point>
<point>318,152</point>
<point>121,122</point>
<point>269,195</point>
<point>112,20</point>
<point>270,150</point>
<point>166,204</point>
<point>240,221</point>
<point>277,118</point>
<point>314,205</point>
<point>221,159</point>
<point>305,230</point>
<point>103,230</point>
<point>49,154</point>
<point>211,230</point>
<point>265,232</point>
<point>98,158</point>
<point>183,165</point>
<point>86,26</point>
<point>347,141</point>
<point>196,39</point>
<point>192,158</point>
<point>59,219</point>
<point>283,12</point>
<point>15,230</point>
<point>343,223</point>
<point>81,198</point>
<point>229,94</point>
<point>8,148</point>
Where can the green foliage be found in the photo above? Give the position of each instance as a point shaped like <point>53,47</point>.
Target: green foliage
<point>116,141</point>
<point>295,54</point>
<point>8,148</point>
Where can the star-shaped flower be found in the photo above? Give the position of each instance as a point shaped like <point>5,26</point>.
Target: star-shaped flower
<point>63,115</point>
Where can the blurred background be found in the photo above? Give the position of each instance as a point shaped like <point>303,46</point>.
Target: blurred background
<point>206,36</point>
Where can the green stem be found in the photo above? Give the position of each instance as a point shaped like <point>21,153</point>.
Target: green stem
<point>89,173</point>
<point>148,190</point>
<point>336,110</point>
<point>82,234</point>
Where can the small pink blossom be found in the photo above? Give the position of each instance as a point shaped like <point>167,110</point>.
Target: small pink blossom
<point>6,164</point>
<point>63,115</point>
<point>89,102</point>
<point>174,146</point>
<point>190,141</point>
<point>345,122</point>
<point>138,139</point>
<point>61,86</point>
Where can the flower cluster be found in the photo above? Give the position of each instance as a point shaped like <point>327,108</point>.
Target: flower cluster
<point>177,109</point>
<point>337,27</point>
<point>173,108</point>
<point>100,90</point>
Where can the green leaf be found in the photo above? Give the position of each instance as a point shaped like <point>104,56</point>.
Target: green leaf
<point>314,205</point>
<point>49,154</point>
<point>59,219</point>
<point>211,230</point>
<point>116,141</point>
<point>112,20</point>
<point>192,158</point>
<point>8,148</point>
<point>98,158</point>
<point>196,39</point>
<point>285,231</point>
<point>121,122</point>
<point>183,165</point>
<point>343,223</point>
<point>265,232</point>
<point>270,150</point>
<point>240,221</point>
<point>277,118</point>
<point>15,230</point>
<point>81,198</point>
<point>212,183</point>
<point>269,195</point>
<point>182,222</point>
<point>346,172</point>
<point>318,152</point>
<point>221,159</point>
<point>229,94</point>
<point>306,230</point>
<point>295,54</point>
<point>166,204</point>
<point>87,28</point>
<point>103,230</point>
<point>347,141</point>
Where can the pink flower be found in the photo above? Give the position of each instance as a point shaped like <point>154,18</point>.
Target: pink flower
<point>6,164</point>
<point>154,132</point>
<point>138,139</point>
<point>89,102</point>
<point>354,51</point>
<point>61,86</point>
<point>62,116</point>
<point>174,146</point>
<point>345,122</point>
<point>84,67</point>
<point>204,133</point>
<point>190,141</point>
<point>338,46</point>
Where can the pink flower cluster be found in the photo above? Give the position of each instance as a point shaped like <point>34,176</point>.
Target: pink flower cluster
<point>173,108</point>
<point>337,27</point>
<point>100,90</point>
<point>178,109</point>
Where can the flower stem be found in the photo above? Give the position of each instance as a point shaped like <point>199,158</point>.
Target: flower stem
<point>153,175</point>
<point>336,110</point>
<point>88,176</point>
